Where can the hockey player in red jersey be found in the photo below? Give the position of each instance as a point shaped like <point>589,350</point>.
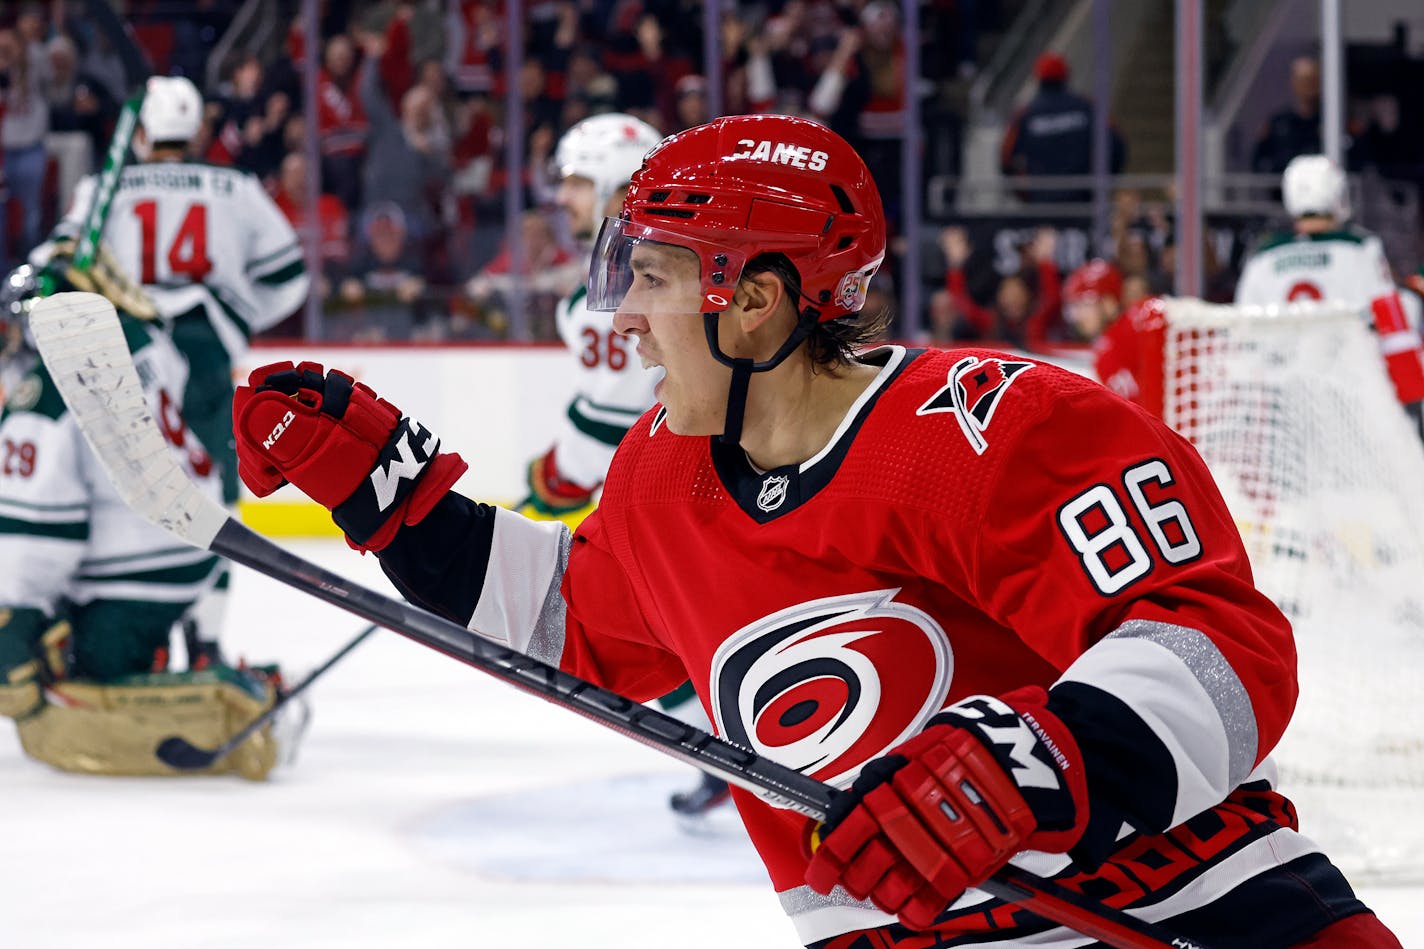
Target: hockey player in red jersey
<point>1126,346</point>
<point>1004,609</point>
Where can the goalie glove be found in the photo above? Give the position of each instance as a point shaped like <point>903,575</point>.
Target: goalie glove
<point>943,811</point>
<point>343,446</point>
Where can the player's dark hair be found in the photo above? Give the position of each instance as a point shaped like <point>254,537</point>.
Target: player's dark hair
<point>834,343</point>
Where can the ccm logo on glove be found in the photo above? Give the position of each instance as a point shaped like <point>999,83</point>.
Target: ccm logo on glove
<point>343,446</point>
<point>278,429</point>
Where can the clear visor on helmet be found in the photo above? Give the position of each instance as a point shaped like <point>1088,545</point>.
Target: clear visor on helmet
<point>658,270</point>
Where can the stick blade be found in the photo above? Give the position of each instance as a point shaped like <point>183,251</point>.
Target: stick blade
<point>83,346</point>
<point>182,755</point>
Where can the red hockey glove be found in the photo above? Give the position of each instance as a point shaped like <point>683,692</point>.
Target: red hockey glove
<point>550,494</point>
<point>989,777</point>
<point>344,447</point>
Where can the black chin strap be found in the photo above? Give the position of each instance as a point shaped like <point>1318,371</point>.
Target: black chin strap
<point>742,369</point>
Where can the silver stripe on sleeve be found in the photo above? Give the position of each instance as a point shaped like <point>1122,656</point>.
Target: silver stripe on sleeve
<point>1233,705</point>
<point>546,642</point>
<point>525,569</point>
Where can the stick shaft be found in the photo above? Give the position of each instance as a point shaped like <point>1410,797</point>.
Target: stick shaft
<point>227,747</point>
<point>744,768</point>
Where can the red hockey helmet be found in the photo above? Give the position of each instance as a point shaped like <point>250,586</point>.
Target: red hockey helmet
<point>1096,278</point>
<point>744,185</point>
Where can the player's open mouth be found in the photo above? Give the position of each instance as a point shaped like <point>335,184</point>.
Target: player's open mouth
<point>648,362</point>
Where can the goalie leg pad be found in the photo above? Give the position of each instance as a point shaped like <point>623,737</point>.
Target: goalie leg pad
<point>114,728</point>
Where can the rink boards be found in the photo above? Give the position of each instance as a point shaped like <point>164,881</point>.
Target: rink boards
<point>497,405</point>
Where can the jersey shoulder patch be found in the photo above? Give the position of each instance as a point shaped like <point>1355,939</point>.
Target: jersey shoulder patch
<point>972,392</point>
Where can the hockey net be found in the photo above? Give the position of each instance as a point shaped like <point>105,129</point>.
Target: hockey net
<point>1293,412</point>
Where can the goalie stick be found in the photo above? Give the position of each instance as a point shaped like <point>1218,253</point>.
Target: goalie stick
<point>79,337</point>
<point>182,755</point>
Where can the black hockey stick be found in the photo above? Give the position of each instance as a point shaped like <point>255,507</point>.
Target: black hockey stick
<point>79,337</point>
<point>179,753</point>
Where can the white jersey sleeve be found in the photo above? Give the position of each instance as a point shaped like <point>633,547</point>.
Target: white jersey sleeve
<point>611,392</point>
<point>1345,265</point>
<point>275,270</point>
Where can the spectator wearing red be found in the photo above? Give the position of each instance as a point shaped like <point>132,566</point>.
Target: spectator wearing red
<point>333,221</point>
<point>1019,315</point>
<point>341,121</point>
<point>474,34</point>
<point>1126,345</point>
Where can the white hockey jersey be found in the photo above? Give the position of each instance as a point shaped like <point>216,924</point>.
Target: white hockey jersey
<point>612,391</point>
<point>65,534</point>
<point>176,224</point>
<point>1346,265</point>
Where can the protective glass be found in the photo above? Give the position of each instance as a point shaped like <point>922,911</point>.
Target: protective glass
<point>614,266</point>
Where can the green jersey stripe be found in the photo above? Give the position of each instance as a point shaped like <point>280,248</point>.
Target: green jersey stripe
<point>278,277</point>
<point>65,530</point>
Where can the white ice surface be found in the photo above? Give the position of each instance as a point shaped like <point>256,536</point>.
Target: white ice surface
<point>372,837</point>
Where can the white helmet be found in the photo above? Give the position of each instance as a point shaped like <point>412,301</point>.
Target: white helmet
<point>172,109</point>
<point>1313,184</point>
<point>606,149</point>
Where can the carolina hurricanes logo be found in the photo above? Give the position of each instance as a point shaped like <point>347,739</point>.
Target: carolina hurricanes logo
<point>972,393</point>
<point>804,685</point>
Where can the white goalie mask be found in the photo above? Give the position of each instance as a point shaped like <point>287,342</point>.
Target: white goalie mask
<point>1313,184</point>
<point>605,149</point>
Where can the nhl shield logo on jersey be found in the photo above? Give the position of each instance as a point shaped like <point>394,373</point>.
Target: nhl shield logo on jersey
<point>973,392</point>
<point>773,492</point>
<point>808,686</point>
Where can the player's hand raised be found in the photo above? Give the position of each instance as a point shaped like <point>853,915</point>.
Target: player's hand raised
<point>989,777</point>
<point>343,446</point>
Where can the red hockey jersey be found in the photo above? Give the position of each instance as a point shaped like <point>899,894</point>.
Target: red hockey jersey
<point>977,523</point>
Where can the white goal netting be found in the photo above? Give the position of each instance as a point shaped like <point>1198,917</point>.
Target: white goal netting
<point>1294,413</point>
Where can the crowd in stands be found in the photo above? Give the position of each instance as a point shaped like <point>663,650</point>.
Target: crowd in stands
<point>1022,304</point>
<point>410,128</point>
<point>410,112</point>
